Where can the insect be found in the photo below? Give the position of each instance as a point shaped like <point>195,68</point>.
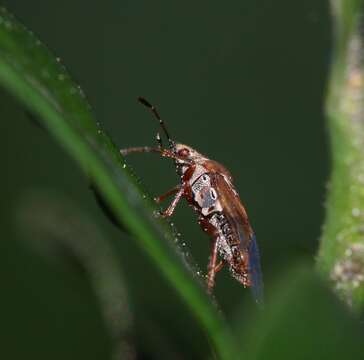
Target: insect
<point>208,188</point>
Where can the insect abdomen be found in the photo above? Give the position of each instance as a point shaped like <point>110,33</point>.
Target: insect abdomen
<point>229,248</point>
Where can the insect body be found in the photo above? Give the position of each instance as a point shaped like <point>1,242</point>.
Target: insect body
<point>208,188</point>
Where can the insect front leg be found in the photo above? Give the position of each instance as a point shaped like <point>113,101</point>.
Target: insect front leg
<point>169,211</point>
<point>161,198</point>
<point>213,269</point>
<point>183,190</point>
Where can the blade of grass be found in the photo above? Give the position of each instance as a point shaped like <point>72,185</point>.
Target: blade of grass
<point>341,255</point>
<point>36,78</point>
<point>54,227</point>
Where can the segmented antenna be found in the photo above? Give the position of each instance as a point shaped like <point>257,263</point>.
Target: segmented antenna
<point>161,122</point>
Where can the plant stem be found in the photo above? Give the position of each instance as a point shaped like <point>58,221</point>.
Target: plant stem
<point>341,255</point>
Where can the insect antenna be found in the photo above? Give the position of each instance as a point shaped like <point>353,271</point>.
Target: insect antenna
<point>161,122</point>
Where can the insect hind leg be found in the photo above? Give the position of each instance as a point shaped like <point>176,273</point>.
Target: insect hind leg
<point>213,269</point>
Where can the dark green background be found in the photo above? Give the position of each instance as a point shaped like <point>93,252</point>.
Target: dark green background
<point>241,81</point>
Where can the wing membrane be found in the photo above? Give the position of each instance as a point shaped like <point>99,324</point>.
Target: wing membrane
<point>238,219</point>
<point>255,271</point>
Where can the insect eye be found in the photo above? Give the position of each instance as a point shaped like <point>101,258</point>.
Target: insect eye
<point>183,152</point>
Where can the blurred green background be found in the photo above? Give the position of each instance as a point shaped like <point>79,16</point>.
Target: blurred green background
<point>241,81</point>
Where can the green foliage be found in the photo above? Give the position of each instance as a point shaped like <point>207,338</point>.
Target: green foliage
<point>39,81</point>
<point>303,321</point>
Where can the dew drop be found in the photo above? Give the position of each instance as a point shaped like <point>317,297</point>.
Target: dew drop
<point>124,166</point>
<point>80,91</point>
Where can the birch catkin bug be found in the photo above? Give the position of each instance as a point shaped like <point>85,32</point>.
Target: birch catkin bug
<point>208,188</point>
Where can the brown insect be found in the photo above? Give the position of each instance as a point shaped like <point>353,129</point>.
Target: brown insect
<point>208,188</point>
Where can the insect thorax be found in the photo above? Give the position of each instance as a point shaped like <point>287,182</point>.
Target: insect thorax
<point>206,199</point>
<point>204,194</point>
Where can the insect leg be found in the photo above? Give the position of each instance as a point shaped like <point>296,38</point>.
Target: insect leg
<point>212,265</point>
<point>161,198</point>
<point>173,204</point>
<point>219,266</point>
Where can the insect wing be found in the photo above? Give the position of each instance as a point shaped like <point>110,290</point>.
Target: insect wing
<point>255,271</point>
<point>233,210</point>
<point>238,218</point>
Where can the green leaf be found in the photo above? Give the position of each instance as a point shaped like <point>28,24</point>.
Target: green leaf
<point>302,320</point>
<point>39,81</point>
